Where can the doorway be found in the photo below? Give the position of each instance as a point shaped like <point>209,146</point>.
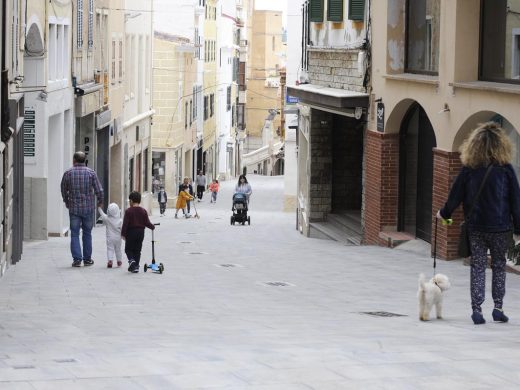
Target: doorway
<point>103,161</point>
<point>416,143</point>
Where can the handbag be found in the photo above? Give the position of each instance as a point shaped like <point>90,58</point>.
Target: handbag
<point>464,248</point>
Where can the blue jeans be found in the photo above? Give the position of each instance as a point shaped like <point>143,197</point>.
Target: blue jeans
<point>85,223</point>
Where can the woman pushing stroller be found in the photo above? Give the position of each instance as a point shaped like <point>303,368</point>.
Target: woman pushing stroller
<point>243,187</point>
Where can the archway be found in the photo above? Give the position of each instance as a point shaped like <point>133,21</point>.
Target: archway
<point>278,167</point>
<point>417,140</point>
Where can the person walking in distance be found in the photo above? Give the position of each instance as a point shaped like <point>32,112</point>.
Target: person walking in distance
<point>135,221</point>
<point>213,188</point>
<point>200,181</point>
<point>113,222</point>
<point>243,187</point>
<point>79,188</point>
<point>487,171</point>
<point>162,198</point>
<point>187,183</point>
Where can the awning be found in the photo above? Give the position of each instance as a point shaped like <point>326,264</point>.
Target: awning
<point>334,98</point>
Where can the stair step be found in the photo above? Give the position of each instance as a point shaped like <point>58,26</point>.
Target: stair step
<point>329,231</point>
<point>396,238</point>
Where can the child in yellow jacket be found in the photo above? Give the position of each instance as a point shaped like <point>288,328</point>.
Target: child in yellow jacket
<point>182,200</point>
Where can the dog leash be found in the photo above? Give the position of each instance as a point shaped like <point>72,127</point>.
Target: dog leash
<point>435,247</point>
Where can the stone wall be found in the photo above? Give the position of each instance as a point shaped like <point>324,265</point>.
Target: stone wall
<point>335,69</point>
<point>321,165</point>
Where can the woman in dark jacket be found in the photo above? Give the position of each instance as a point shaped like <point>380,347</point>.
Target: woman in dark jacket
<point>495,214</point>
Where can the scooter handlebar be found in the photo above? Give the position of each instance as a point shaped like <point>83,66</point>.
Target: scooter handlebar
<point>156,224</point>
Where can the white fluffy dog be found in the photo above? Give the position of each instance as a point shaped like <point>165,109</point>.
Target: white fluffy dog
<point>430,293</point>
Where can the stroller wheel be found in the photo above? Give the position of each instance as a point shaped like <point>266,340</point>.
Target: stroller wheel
<point>249,220</point>
<point>232,220</point>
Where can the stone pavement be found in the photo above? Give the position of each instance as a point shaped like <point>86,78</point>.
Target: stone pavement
<point>201,325</point>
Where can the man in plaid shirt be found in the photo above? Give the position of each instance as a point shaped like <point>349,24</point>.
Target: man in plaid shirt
<point>78,186</point>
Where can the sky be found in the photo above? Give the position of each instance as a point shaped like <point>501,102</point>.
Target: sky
<point>278,5</point>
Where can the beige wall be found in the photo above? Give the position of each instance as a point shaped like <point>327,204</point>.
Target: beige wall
<point>469,100</point>
<point>264,64</point>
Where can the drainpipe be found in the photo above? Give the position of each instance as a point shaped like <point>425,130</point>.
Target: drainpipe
<point>5,131</point>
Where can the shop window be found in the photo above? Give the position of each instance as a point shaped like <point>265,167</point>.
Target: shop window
<point>422,36</point>
<point>158,170</point>
<point>500,41</point>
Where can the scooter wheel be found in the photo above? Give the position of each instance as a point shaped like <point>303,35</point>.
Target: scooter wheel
<point>145,267</point>
<point>161,268</point>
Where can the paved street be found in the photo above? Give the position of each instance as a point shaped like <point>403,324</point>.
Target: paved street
<point>201,325</point>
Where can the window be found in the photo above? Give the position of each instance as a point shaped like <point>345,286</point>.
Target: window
<point>80,24</point>
<point>158,170</point>
<point>356,9</point>
<point>52,53</point>
<point>500,42</point>
<point>422,36</point>
<point>206,98</point>
<point>120,59</point>
<point>191,112</point>
<point>113,61</point>
<point>90,24</point>
<point>211,105</point>
<point>335,11</point>
<point>186,115</point>
<point>228,100</point>
<point>316,11</point>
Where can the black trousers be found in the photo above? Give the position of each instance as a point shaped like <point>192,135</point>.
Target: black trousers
<point>134,244</point>
<point>200,191</point>
<point>162,207</point>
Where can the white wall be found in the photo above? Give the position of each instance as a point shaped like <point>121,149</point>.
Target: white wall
<point>294,39</point>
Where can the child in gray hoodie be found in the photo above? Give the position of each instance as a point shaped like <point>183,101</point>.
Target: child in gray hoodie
<point>113,222</point>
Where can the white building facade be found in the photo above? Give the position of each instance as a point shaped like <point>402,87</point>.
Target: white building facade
<point>49,117</point>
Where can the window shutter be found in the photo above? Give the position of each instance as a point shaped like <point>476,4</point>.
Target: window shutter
<point>316,10</point>
<point>335,11</point>
<point>80,24</point>
<point>356,10</point>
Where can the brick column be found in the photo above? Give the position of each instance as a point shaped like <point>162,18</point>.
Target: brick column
<point>381,190</point>
<point>446,167</point>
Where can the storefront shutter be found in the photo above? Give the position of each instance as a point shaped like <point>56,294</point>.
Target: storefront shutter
<point>335,11</point>
<point>316,10</point>
<point>356,10</point>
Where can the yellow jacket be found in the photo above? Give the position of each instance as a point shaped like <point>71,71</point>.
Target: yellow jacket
<point>182,199</point>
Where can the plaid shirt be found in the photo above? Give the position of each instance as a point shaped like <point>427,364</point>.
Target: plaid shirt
<point>78,186</point>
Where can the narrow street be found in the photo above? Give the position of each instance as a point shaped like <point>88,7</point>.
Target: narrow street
<point>210,321</point>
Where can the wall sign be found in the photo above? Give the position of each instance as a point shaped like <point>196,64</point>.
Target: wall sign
<point>380,113</point>
<point>29,133</point>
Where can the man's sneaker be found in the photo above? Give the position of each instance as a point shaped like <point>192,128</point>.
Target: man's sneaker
<point>131,265</point>
<point>135,270</point>
<point>109,264</point>
<point>119,263</point>
<point>76,263</point>
<point>88,263</point>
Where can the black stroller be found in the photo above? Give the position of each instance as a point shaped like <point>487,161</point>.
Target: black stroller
<point>240,209</point>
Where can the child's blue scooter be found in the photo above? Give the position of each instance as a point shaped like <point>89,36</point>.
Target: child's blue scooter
<point>155,268</point>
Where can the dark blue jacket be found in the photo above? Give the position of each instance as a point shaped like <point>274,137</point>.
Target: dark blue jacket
<point>498,207</point>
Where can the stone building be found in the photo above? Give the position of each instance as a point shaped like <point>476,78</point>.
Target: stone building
<point>333,95</point>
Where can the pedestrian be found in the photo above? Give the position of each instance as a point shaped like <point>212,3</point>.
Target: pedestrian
<point>495,213</point>
<point>200,181</point>
<point>79,188</point>
<point>162,198</point>
<point>135,221</point>
<point>182,199</point>
<point>113,223</point>
<point>243,187</point>
<point>187,182</point>
<point>213,187</point>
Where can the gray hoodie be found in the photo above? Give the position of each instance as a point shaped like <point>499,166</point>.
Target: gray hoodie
<point>112,221</point>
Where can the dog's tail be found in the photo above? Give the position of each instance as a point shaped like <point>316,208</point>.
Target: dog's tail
<point>422,281</point>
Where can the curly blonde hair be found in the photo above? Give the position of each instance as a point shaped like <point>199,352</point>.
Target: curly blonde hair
<point>488,144</point>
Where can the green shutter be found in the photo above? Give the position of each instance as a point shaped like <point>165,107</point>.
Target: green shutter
<point>316,11</point>
<point>335,11</point>
<point>356,10</point>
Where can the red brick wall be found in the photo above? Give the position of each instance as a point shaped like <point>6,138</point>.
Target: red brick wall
<point>446,167</point>
<point>381,185</point>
